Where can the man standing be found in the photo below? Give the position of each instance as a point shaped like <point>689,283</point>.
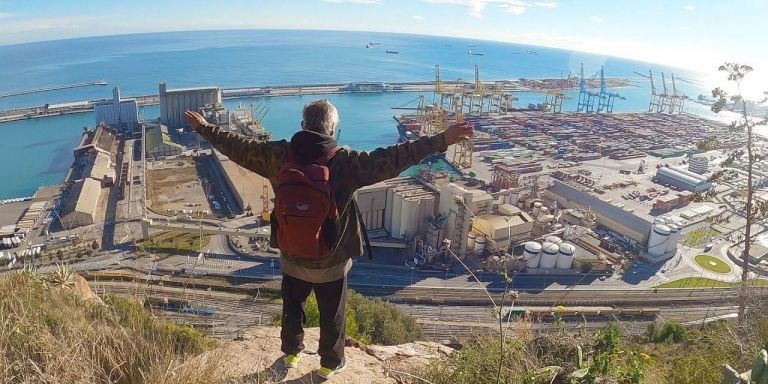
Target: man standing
<point>313,178</point>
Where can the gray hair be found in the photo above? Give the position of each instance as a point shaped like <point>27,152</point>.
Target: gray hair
<point>320,116</point>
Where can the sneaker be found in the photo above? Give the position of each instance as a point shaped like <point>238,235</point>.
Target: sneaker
<point>291,361</point>
<point>326,373</point>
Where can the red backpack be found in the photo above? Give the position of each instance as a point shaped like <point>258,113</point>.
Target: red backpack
<point>303,203</point>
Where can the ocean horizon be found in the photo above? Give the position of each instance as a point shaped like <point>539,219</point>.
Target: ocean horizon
<point>235,58</point>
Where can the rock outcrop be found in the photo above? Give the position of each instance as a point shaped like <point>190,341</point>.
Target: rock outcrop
<point>255,357</point>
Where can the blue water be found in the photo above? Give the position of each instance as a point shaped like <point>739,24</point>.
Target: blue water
<point>36,152</point>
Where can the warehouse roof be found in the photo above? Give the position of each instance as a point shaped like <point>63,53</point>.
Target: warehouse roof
<point>158,135</point>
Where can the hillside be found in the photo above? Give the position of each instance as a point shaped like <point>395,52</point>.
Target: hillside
<point>54,329</point>
<point>255,357</point>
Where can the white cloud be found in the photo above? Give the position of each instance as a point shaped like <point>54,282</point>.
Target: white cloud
<point>417,17</point>
<point>515,7</point>
<point>31,25</point>
<point>352,1</point>
<point>5,15</point>
<point>596,19</point>
<point>689,7</point>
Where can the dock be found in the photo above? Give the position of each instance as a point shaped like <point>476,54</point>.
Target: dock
<point>54,88</point>
<point>506,85</point>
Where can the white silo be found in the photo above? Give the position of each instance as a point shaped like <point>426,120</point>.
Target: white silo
<point>565,258</point>
<point>536,208</point>
<point>480,243</point>
<point>554,239</point>
<point>543,212</point>
<point>674,237</point>
<point>549,253</point>
<point>471,241</point>
<point>657,242</point>
<point>531,254</point>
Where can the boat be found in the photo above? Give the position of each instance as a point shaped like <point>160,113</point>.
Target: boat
<point>408,129</point>
<point>367,45</point>
<point>475,53</point>
<point>372,43</point>
<point>393,52</point>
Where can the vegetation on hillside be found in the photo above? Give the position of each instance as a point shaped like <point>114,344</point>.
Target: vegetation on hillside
<point>370,321</point>
<point>50,334</point>
<point>666,353</point>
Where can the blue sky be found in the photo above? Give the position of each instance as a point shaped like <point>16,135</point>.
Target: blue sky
<point>689,33</point>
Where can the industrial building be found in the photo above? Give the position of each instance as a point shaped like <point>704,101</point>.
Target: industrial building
<point>436,216</point>
<point>102,169</point>
<point>682,179</point>
<point>508,226</point>
<point>610,214</point>
<point>159,142</point>
<point>400,206</point>
<point>698,164</point>
<point>102,139</point>
<point>173,103</point>
<point>119,113</point>
<point>81,206</point>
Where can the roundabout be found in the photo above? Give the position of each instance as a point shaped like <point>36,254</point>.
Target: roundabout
<point>712,264</point>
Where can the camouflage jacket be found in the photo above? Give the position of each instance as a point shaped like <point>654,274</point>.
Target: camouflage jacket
<point>349,169</point>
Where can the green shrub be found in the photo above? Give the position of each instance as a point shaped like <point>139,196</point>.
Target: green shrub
<point>369,321</point>
<point>670,332</point>
<point>381,322</point>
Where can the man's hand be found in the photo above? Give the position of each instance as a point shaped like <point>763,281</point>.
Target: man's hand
<point>458,132</point>
<point>194,119</point>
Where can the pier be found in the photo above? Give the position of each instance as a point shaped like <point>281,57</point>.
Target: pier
<point>54,88</point>
<point>506,86</point>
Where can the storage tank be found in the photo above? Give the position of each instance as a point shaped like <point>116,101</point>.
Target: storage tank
<point>536,208</point>
<point>554,239</point>
<point>480,243</point>
<point>471,241</point>
<point>565,258</point>
<point>543,212</point>
<point>657,242</point>
<point>549,253</point>
<point>674,237</point>
<point>531,254</point>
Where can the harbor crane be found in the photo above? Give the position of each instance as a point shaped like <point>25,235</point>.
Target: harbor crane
<point>657,99</point>
<point>676,100</point>
<point>462,154</point>
<point>553,101</point>
<point>606,99</point>
<point>586,102</point>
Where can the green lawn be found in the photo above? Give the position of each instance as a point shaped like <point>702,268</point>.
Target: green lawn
<point>703,282</point>
<point>697,237</point>
<point>172,241</point>
<point>712,264</point>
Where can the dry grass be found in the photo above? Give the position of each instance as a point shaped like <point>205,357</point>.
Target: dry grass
<point>53,335</point>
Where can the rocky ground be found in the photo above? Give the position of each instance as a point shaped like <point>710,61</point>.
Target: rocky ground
<point>255,357</point>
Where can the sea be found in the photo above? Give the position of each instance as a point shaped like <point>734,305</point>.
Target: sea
<point>38,151</point>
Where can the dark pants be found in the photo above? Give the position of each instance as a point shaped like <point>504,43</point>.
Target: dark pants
<point>331,302</point>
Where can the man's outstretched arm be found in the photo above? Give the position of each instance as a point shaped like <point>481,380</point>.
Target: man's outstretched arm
<point>386,163</point>
<point>263,158</point>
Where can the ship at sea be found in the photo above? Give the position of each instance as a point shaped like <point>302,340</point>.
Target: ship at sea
<point>393,52</point>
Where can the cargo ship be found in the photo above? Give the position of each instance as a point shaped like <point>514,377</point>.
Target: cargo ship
<point>409,129</point>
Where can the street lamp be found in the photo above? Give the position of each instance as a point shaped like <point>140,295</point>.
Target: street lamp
<point>412,275</point>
